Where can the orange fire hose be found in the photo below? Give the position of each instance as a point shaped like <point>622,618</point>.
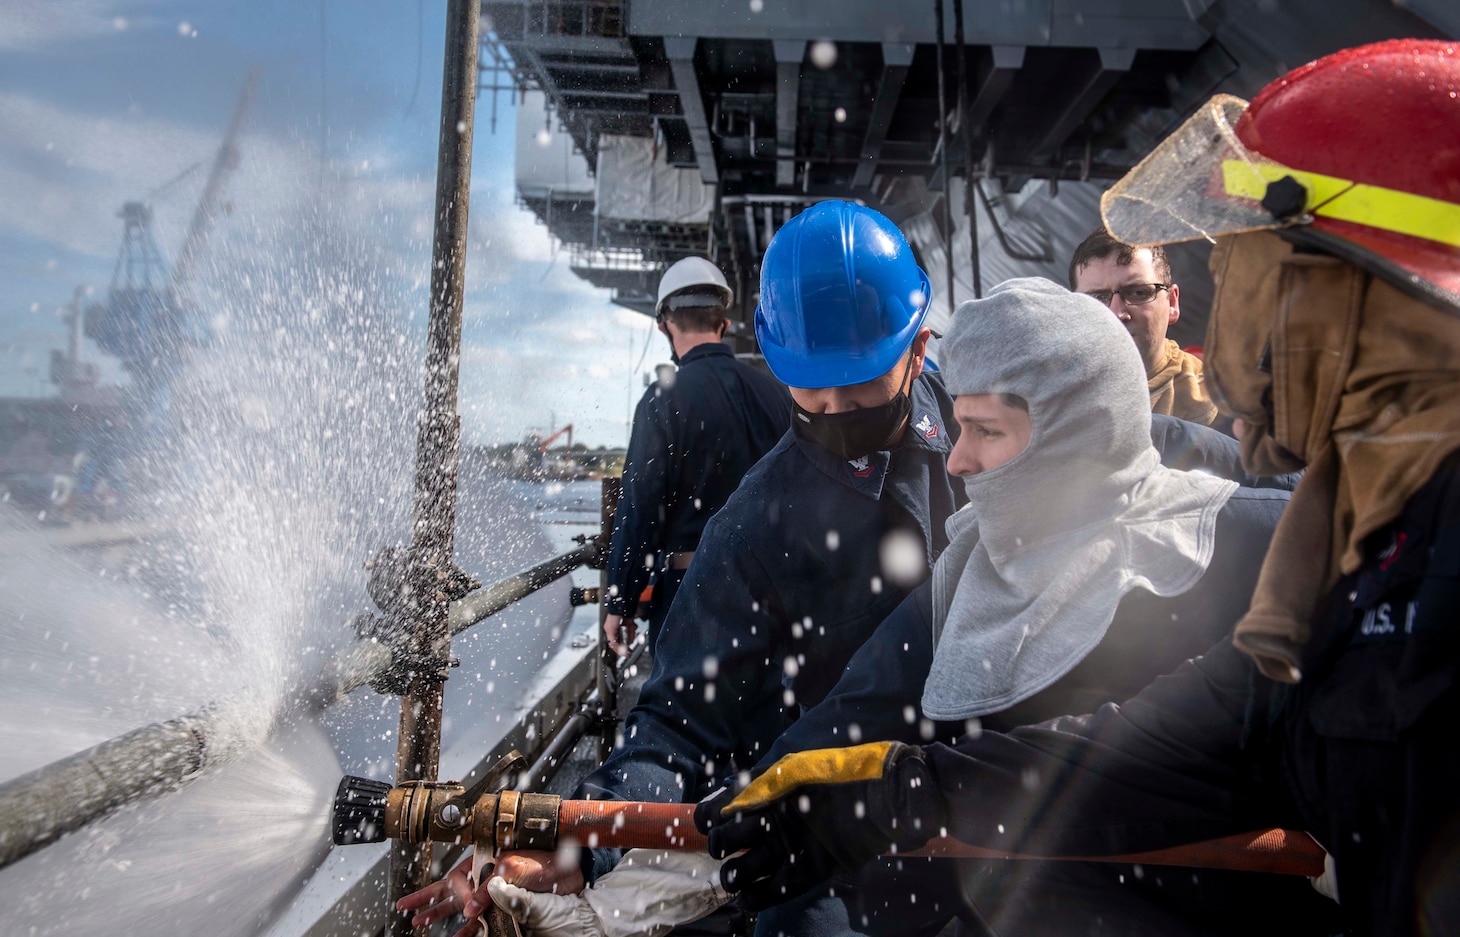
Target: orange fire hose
<point>634,825</point>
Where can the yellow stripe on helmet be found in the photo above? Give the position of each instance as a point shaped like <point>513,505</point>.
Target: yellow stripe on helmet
<point>1342,200</point>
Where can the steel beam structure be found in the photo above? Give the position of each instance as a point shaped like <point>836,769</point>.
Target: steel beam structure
<point>681,54</point>
<point>896,59</point>
<point>996,72</point>
<point>970,174</point>
<point>790,53</point>
<point>1103,70</point>
<point>1150,24</point>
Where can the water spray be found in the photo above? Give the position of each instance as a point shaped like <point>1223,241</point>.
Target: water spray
<point>38,808</point>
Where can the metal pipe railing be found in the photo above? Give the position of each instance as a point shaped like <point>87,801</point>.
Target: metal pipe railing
<point>595,716</point>
<point>489,601</point>
<point>38,808</point>
<point>555,751</point>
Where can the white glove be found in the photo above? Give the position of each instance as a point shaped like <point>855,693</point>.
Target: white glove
<point>650,892</point>
<point>1327,883</point>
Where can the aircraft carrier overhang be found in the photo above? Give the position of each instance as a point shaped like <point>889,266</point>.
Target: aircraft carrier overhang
<point>701,128</point>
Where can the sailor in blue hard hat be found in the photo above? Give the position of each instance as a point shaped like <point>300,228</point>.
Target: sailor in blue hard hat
<point>823,538</point>
<point>840,321</point>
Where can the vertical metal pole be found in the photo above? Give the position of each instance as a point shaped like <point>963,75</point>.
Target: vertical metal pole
<point>943,154</point>
<point>418,747</point>
<point>970,208</point>
<point>607,678</point>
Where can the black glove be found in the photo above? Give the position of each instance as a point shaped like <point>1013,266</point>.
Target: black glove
<point>813,814</point>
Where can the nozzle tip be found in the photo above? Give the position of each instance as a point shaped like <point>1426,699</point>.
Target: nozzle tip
<point>359,811</point>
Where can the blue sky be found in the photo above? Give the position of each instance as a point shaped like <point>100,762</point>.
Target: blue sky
<point>104,101</point>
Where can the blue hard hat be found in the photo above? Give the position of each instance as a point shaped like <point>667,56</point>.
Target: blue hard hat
<point>841,297</point>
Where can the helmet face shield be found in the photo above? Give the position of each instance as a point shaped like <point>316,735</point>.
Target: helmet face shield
<point>1200,183</point>
<point>1203,182</point>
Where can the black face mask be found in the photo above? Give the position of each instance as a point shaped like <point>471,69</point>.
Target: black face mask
<point>856,433</point>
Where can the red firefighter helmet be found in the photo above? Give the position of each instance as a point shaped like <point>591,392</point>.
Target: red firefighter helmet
<point>1357,153</point>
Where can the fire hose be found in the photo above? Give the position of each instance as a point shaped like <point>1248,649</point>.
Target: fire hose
<point>367,811</point>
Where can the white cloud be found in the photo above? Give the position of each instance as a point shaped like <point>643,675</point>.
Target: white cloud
<point>66,172</point>
<point>39,24</point>
<point>502,231</point>
<point>539,340</point>
<point>576,364</point>
<point>27,24</point>
<point>628,318</point>
<point>482,357</point>
<point>578,335</point>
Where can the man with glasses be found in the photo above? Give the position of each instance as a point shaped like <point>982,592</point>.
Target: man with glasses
<point>1135,284</point>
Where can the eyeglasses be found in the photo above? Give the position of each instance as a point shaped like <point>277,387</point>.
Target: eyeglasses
<point>1136,294</point>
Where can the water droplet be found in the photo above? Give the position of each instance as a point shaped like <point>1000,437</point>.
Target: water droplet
<point>823,54</point>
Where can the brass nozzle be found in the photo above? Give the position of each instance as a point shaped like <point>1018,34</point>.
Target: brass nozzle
<point>425,811</point>
<point>436,812</point>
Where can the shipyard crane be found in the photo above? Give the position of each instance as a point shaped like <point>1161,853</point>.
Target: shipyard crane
<point>146,319</point>
<point>542,446</point>
<point>211,203</point>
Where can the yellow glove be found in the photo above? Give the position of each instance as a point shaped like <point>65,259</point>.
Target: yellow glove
<point>867,762</point>
<point>819,812</point>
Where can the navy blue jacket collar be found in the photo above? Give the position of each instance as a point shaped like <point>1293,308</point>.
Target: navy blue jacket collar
<point>705,350</point>
<point>925,434</point>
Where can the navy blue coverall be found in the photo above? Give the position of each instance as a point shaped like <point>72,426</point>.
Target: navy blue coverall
<point>693,440</point>
<point>786,584</point>
<point>880,695</point>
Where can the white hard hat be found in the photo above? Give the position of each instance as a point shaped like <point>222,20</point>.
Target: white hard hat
<point>691,272</point>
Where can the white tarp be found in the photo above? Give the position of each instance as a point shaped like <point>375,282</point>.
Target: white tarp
<point>546,163</point>
<point>636,183</point>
